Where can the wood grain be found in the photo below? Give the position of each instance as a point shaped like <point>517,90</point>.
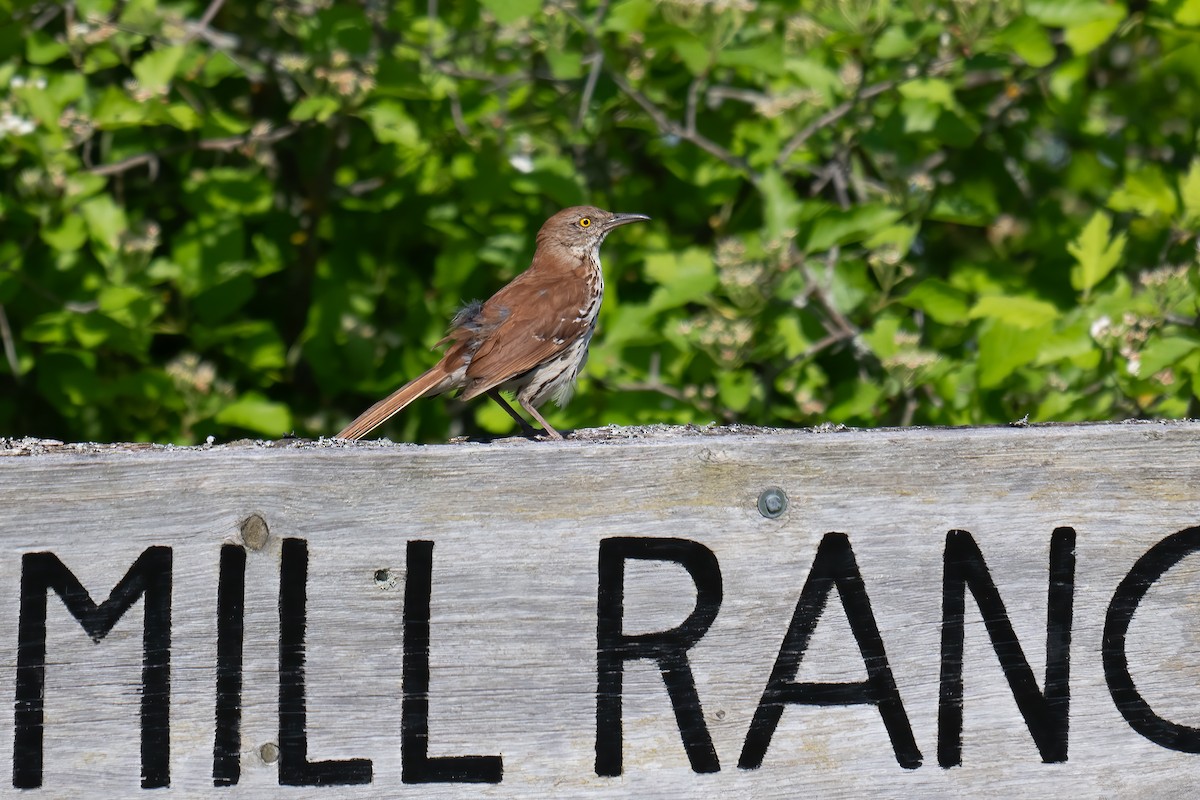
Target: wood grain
<point>517,528</point>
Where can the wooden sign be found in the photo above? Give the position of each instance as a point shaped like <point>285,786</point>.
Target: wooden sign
<point>650,613</point>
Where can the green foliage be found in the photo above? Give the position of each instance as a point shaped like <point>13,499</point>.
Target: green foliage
<point>242,219</point>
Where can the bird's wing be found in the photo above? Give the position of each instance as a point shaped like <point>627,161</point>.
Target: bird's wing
<point>531,320</point>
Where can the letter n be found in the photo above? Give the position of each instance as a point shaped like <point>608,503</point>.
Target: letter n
<point>1045,713</point>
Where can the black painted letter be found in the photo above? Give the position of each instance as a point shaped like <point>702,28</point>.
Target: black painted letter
<point>1137,712</point>
<point>1045,713</point>
<point>415,764</point>
<point>150,576</point>
<point>231,601</point>
<point>294,767</point>
<point>668,648</point>
<point>834,565</point>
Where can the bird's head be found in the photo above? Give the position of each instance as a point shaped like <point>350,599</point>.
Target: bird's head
<point>581,229</point>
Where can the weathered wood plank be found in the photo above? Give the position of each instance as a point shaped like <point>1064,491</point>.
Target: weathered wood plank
<point>517,531</point>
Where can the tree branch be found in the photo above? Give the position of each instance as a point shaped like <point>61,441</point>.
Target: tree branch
<point>842,109</point>
<point>202,25</point>
<point>829,117</point>
<point>673,128</point>
<point>226,144</point>
<point>10,350</point>
<point>589,87</point>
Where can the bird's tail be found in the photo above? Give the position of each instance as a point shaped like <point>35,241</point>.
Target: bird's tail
<point>394,403</point>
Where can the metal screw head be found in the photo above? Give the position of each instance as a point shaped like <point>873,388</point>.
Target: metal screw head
<point>772,502</point>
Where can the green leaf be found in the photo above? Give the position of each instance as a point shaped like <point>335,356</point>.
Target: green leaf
<point>966,202</point>
<point>91,330</point>
<point>391,123</point>
<point>1096,252</point>
<point>683,276</point>
<point>882,336</point>
<point>1072,342</point>
<point>692,51</point>
<point>1068,13</point>
<point>509,11</point>
<point>117,298</point>
<point>627,15</point>
<point>764,57</point>
<point>178,115</point>
<point>857,400</point>
<point>68,236</point>
<point>782,208</point>
<point>1029,41</point>
<point>252,344</point>
<point>838,227</point>
<point>155,70</point>
<point>50,328</point>
<point>937,91</point>
<point>1188,13</point>
<point>920,115</point>
<point>1004,348</point>
<point>939,300</point>
<point>1158,354</point>
<point>241,191</point>
<point>894,42</point>
<point>105,221</point>
<point>130,306</point>
<point>629,323</point>
<point>815,75</point>
<point>494,419</point>
<point>565,64</point>
<point>1087,23</point>
<point>319,107</point>
<point>1145,191</point>
<point>789,332</point>
<point>1024,313</point>
<point>256,413</point>
<point>41,48</point>
<point>67,378</point>
<point>897,237</point>
<point>1189,192</point>
<point>116,109</point>
<point>736,389</point>
<point>1086,37</point>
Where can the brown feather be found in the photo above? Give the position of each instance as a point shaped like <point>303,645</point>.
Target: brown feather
<point>395,402</point>
<point>532,331</point>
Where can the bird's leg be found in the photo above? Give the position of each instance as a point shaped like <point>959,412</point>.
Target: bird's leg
<point>533,412</point>
<point>528,429</point>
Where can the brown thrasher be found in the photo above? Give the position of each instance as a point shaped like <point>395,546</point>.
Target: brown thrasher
<point>531,337</point>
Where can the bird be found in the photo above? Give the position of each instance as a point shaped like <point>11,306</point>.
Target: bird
<point>531,337</point>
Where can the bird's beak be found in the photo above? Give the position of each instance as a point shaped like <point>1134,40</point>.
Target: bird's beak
<point>617,220</point>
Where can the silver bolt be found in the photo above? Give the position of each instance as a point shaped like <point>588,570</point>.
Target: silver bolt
<point>772,502</point>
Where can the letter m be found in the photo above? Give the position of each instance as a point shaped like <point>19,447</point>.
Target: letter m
<point>150,576</point>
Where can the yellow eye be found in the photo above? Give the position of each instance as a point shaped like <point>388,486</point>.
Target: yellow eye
<point>585,222</point>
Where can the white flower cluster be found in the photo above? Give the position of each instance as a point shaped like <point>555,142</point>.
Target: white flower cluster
<point>19,82</point>
<point>12,124</point>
